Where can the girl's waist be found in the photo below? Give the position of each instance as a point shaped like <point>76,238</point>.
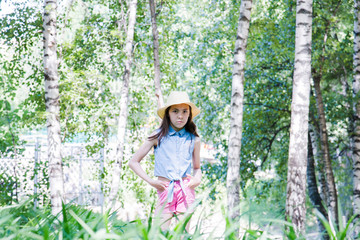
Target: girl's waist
<point>168,180</point>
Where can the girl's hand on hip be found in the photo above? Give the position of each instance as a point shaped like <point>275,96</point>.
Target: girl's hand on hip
<point>193,183</point>
<point>159,185</point>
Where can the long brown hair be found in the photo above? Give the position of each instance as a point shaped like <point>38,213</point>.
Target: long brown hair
<point>165,124</point>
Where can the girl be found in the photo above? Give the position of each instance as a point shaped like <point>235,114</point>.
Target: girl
<point>177,151</point>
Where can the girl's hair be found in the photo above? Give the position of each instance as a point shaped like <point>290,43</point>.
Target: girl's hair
<point>165,124</point>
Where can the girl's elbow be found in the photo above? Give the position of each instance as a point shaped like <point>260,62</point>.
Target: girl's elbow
<point>131,164</point>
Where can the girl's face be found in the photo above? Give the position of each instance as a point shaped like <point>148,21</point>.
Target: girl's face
<point>179,115</point>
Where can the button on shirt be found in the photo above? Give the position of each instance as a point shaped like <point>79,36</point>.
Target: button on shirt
<point>173,157</point>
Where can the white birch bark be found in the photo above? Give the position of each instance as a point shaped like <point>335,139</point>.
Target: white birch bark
<point>237,98</point>
<point>296,185</point>
<point>123,104</point>
<point>155,33</point>
<point>52,102</point>
<point>356,135</point>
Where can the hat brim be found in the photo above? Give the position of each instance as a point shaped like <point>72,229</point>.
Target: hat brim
<point>194,110</point>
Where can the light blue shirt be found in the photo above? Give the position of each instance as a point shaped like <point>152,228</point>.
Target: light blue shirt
<point>173,157</point>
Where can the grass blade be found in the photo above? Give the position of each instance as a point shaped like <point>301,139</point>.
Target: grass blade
<point>82,223</point>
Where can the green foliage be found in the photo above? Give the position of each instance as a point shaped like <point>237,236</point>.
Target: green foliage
<point>9,132</point>
<point>196,54</point>
<point>19,35</point>
<point>91,54</point>
<point>8,193</point>
<point>344,229</point>
<point>342,232</point>
<point>267,83</point>
<point>23,221</point>
<point>268,91</point>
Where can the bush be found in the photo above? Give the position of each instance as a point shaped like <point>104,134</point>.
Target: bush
<point>8,186</point>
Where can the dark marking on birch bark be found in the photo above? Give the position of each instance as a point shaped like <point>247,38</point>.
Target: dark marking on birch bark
<point>53,87</point>
<point>305,50</point>
<point>126,72</point>
<point>47,77</point>
<point>302,62</point>
<point>304,24</point>
<point>51,22</point>
<point>243,18</point>
<point>356,192</point>
<point>304,11</point>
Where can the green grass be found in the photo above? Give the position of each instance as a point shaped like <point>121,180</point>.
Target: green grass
<point>344,231</point>
<point>22,221</point>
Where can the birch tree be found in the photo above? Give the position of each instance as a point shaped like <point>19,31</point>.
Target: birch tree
<point>318,72</point>
<point>313,187</point>
<point>155,33</point>
<point>329,176</point>
<point>356,135</point>
<point>122,120</point>
<point>296,180</point>
<point>318,156</point>
<point>237,99</point>
<point>52,102</point>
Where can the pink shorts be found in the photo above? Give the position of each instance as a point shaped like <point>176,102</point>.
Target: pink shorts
<point>180,202</point>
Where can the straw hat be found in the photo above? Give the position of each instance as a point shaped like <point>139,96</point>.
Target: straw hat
<point>177,97</point>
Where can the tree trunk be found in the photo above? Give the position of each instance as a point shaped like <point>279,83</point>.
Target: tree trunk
<point>52,102</point>
<point>296,185</point>
<point>318,155</point>
<point>332,203</point>
<point>356,134</point>
<point>237,96</point>
<point>123,104</point>
<point>330,181</point>
<point>155,33</point>
<point>313,188</point>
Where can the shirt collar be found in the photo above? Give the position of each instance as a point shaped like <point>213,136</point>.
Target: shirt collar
<point>173,132</point>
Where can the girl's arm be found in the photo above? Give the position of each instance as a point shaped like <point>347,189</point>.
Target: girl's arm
<point>196,178</point>
<point>134,164</point>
